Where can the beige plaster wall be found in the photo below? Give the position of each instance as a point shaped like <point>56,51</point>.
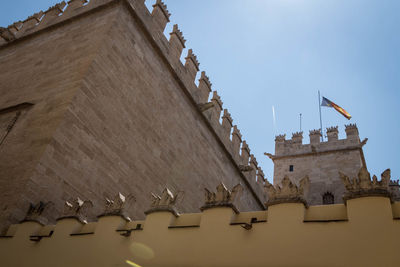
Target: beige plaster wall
<point>362,233</point>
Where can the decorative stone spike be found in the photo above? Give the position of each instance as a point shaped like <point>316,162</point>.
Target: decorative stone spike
<point>288,192</point>
<point>363,186</point>
<point>118,205</point>
<point>36,212</point>
<point>160,15</point>
<point>245,155</point>
<point>77,208</point>
<point>177,42</point>
<point>315,136</point>
<point>166,202</point>
<point>192,64</point>
<point>204,88</point>
<point>222,198</point>
<point>227,124</point>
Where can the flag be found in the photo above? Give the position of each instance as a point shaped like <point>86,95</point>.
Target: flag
<point>327,103</point>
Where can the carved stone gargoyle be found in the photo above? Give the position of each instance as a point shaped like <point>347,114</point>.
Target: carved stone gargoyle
<point>288,192</point>
<point>118,205</point>
<point>222,197</point>
<point>38,212</point>
<point>363,185</point>
<point>77,208</point>
<point>165,202</point>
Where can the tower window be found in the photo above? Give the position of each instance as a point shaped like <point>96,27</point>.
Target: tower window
<point>291,168</point>
<point>328,198</point>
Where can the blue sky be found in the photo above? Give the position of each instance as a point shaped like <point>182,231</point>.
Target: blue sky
<point>264,53</point>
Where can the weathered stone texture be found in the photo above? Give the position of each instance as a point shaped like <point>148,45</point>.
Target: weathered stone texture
<point>45,70</point>
<point>109,116</point>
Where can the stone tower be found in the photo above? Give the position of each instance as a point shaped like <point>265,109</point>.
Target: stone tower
<point>95,101</point>
<point>320,161</point>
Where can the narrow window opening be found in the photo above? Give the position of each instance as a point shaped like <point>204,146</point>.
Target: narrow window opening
<point>291,168</point>
<point>328,198</point>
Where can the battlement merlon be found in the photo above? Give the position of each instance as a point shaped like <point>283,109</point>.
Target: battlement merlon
<point>177,41</point>
<point>192,64</point>
<point>332,133</point>
<point>160,14</point>
<point>315,136</point>
<point>294,146</point>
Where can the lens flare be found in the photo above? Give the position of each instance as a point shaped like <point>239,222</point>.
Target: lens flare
<point>133,264</point>
<point>142,251</point>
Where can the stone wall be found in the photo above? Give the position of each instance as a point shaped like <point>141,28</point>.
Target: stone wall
<point>111,108</point>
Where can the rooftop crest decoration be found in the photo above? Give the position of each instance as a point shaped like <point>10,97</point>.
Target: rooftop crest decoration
<point>165,202</point>
<point>39,212</point>
<point>77,208</point>
<point>364,186</point>
<point>118,205</point>
<point>222,197</point>
<point>288,192</point>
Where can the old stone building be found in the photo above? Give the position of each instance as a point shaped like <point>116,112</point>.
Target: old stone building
<point>320,161</point>
<point>95,101</point>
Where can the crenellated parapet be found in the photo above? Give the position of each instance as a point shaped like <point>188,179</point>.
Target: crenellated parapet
<point>294,146</point>
<point>114,241</point>
<point>154,22</point>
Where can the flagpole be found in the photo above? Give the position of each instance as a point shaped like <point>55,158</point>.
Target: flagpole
<point>300,122</point>
<point>320,116</point>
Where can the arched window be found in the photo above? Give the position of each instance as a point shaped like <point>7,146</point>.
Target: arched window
<point>328,198</point>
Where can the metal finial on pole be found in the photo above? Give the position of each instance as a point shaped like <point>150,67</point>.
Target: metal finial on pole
<point>320,116</point>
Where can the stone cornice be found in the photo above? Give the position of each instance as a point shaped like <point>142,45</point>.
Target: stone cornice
<point>314,153</point>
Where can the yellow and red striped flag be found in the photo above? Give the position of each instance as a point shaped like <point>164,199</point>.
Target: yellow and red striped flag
<point>327,103</point>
